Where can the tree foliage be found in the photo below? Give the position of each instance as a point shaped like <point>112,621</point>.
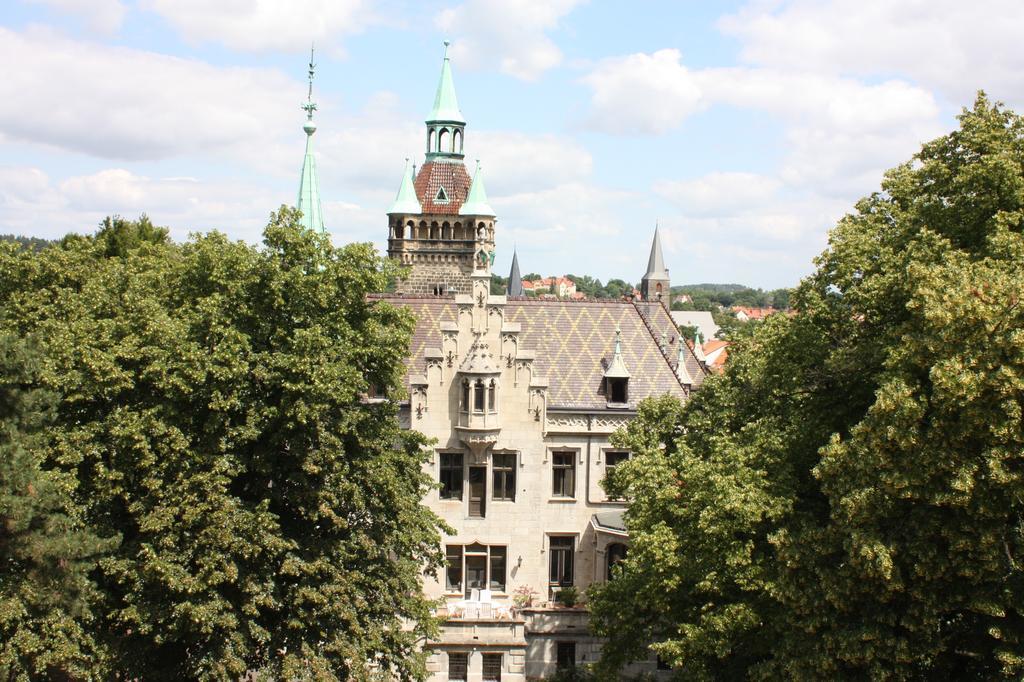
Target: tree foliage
<point>211,418</point>
<point>847,500</point>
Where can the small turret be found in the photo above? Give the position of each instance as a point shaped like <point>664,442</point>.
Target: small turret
<point>446,125</point>
<point>476,202</point>
<point>515,280</point>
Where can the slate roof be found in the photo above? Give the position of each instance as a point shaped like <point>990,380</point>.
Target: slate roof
<point>573,342</point>
<point>436,174</point>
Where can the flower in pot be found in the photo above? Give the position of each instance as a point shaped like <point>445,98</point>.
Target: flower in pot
<point>523,596</point>
<point>567,596</point>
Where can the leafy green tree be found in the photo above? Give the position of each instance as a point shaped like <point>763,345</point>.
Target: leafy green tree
<point>46,553</point>
<point>213,414</point>
<point>846,500</point>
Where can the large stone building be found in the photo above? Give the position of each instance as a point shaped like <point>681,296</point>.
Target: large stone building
<point>522,397</point>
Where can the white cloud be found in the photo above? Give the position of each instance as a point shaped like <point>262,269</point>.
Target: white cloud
<point>122,103</point>
<point>102,16</point>
<point>720,193</point>
<point>508,34</point>
<point>645,93</point>
<point>515,163</point>
<point>951,45</point>
<point>258,25</point>
<point>32,203</point>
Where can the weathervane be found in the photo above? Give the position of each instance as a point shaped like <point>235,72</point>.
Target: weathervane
<point>309,105</point>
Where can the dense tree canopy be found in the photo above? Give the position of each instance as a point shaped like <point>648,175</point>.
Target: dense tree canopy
<point>208,424</point>
<point>847,500</point>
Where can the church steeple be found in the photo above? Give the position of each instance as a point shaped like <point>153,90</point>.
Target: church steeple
<point>309,184</point>
<point>515,280</point>
<point>446,125</point>
<point>654,286</point>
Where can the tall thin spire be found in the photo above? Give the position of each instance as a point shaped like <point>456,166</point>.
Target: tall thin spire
<point>655,284</point>
<point>446,104</point>
<point>309,184</point>
<point>515,280</point>
<point>405,200</point>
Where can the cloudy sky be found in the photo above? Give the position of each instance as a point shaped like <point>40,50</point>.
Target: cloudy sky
<point>745,129</point>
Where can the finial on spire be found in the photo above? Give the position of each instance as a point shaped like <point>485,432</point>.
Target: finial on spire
<point>309,105</point>
<point>446,44</point>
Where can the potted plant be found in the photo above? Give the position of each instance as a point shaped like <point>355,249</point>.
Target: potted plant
<point>567,596</point>
<point>522,597</point>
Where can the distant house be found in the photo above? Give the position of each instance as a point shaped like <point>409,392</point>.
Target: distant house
<point>716,352</point>
<point>701,319</point>
<point>745,314</point>
<point>563,286</point>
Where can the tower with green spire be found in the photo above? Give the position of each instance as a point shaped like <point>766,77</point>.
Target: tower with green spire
<point>309,184</point>
<point>441,225</point>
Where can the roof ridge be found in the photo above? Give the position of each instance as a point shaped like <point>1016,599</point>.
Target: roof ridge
<point>650,330</point>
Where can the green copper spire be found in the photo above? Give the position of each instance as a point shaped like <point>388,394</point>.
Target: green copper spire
<point>446,105</point>
<point>681,371</point>
<point>309,184</point>
<point>476,201</point>
<point>405,200</point>
<point>617,367</point>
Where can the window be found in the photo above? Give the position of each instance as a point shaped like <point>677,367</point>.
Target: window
<point>496,576</point>
<point>458,666</point>
<point>451,475</point>
<point>453,574</point>
<point>566,655</point>
<point>615,554</point>
<point>561,560</point>
<point>612,460</point>
<point>478,396</point>
<point>617,390</point>
<point>441,197</point>
<point>492,667</point>
<point>491,395</point>
<point>504,473</point>
<point>484,568</point>
<point>564,469</point>
<point>465,396</point>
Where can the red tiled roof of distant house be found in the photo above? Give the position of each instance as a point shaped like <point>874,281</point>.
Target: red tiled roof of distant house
<point>755,313</point>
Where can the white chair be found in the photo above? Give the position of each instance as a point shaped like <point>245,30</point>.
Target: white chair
<point>486,611</point>
<point>472,611</point>
<point>485,596</point>
<point>474,594</point>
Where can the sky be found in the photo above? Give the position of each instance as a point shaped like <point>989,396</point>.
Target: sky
<point>745,130</point>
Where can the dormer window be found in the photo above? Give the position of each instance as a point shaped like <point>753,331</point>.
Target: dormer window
<point>441,197</point>
<point>617,392</point>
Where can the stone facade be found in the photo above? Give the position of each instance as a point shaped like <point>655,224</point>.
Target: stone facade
<point>514,393</point>
<point>440,251</point>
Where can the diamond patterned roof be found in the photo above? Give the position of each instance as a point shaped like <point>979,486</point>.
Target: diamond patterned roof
<point>437,174</point>
<point>573,342</point>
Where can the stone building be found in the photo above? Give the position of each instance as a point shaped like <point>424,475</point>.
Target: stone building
<point>522,396</point>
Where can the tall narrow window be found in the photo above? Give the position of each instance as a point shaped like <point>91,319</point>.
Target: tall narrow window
<point>492,667</point>
<point>451,475</point>
<point>564,474</point>
<point>617,390</point>
<point>504,473</point>
<point>458,666</point>
<point>496,580</point>
<point>616,553</point>
<point>478,396</point>
<point>493,388</point>
<point>453,573</point>
<point>561,553</point>
<point>477,492</point>
<point>612,460</point>
<point>465,396</point>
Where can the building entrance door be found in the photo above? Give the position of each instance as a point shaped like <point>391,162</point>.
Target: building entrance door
<point>477,491</point>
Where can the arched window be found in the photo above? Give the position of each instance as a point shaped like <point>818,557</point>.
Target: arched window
<point>457,142</point>
<point>446,230</point>
<point>465,395</point>
<point>442,140</point>
<point>398,231</point>
<point>423,229</point>
<point>615,553</point>
<point>491,400</point>
<point>430,140</point>
<point>478,396</point>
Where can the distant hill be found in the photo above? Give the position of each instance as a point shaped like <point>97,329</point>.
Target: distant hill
<point>711,288</point>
